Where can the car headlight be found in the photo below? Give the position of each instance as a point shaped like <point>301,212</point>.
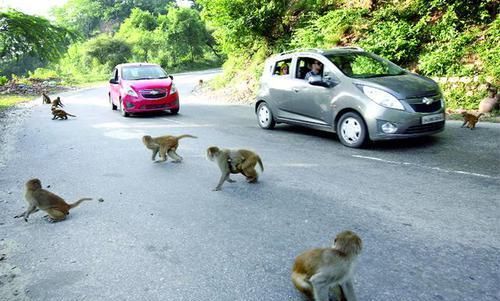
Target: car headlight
<point>173,89</point>
<point>131,92</point>
<point>382,98</point>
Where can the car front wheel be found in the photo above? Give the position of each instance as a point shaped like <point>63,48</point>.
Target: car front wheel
<point>113,106</point>
<point>122,110</point>
<point>265,116</point>
<point>174,111</point>
<point>351,130</point>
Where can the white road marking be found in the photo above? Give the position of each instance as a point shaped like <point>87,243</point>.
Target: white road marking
<point>428,167</point>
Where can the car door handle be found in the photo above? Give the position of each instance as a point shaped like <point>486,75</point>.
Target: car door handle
<point>295,90</point>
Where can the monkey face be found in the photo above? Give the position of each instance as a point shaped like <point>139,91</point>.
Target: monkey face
<point>34,184</point>
<point>348,242</point>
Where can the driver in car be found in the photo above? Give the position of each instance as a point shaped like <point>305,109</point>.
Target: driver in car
<point>315,72</point>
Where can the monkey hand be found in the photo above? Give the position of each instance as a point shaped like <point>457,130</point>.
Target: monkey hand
<point>217,189</point>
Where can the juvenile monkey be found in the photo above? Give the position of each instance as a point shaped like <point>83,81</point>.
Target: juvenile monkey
<point>235,161</point>
<point>46,99</point>
<point>164,145</point>
<point>470,120</point>
<point>60,113</point>
<point>318,271</point>
<point>57,103</point>
<point>39,198</point>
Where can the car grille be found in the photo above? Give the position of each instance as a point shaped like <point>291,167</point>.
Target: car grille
<point>150,107</point>
<point>153,93</point>
<point>418,106</point>
<point>423,128</point>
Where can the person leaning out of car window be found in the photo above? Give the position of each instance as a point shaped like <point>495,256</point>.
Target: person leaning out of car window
<point>316,70</point>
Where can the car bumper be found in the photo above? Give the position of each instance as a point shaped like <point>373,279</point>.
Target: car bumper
<point>139,104</point>
<point>409,124</point>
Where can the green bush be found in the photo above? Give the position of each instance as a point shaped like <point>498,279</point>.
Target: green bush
<point>394,40</point>
<point>329,30</point>
<point>3,80</point>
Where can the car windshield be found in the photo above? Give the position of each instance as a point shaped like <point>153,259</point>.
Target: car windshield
<point>143,72</point>
<point>364,65</point>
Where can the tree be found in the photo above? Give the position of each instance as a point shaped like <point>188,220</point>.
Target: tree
<point>23,36</point>
<point>186,34</point>
<point>108,51</point>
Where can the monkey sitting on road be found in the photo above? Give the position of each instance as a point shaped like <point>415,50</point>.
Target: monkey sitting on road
<point>235,161</point>
<point>164,145</point>
<point>318,271</point>
<point>46,99</point>
<point>470,120</point>
<point>39,198</point>
<point>60,113</point>
<point>57,103</point>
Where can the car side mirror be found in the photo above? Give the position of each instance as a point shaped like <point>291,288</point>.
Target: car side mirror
<point>171,77</point>
<point>316,80</point>
<point>113,81</point>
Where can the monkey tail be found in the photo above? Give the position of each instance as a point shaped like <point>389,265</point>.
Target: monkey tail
<point>71,206</point>
<point>260,164</point>
<point>301,283</point>
<point>480,114</point>
<point>70,115</point>
<point>185,136</point>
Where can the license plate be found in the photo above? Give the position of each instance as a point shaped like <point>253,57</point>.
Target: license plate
<point>432,118</point>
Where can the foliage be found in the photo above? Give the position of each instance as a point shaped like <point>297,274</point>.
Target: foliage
<point>23,36</point>
<point>108,51</point>
<point>3,80</point>
<point>329,30</point>
<point>91,17</point>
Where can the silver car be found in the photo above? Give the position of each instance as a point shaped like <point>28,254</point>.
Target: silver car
<point>347,90</point>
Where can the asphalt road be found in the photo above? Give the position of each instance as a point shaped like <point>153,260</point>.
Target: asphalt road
<point>426,209</point>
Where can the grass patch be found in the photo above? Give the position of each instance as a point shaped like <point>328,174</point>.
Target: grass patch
<point>7,101</point>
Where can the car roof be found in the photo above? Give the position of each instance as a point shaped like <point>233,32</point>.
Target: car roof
<point>303,51</point>
<point>135,65</point>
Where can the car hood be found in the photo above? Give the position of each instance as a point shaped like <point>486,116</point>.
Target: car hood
<point>149,83</point>
<point>405,86</point>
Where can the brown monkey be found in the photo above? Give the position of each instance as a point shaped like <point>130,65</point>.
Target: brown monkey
<point>235,161</point>
<point>39,198</point>
<point>60,113</point>
<point>46,99</point>
<point>164,145</point>
<point>317,271</point>
<point>57,103</point>
<point>470,119</point>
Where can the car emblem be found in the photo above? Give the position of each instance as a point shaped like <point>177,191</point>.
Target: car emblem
<point>153,92</point>
<point>427,100</point>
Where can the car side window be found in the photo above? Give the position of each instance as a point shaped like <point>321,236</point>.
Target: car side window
<point>282,67</point>
<point>304,65</point>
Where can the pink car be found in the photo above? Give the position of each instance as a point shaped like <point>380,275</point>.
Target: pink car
<point>142,87</point>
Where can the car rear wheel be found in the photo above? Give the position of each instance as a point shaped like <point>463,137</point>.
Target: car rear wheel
<point>113,106</point>
<point>265,116</point>
<point>174,111</point>
<point>351,130</point>
<point>122,110</point>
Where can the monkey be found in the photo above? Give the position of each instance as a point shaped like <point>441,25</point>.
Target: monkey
<point>46,99</point>
<point>233,162</point>
<point>60,113</point>
<point>41,199</point>
<point>57,103</point>
<point>470,119</point>
<point>196,89</point>
<point>164,145</point>
<point>318,271</point>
